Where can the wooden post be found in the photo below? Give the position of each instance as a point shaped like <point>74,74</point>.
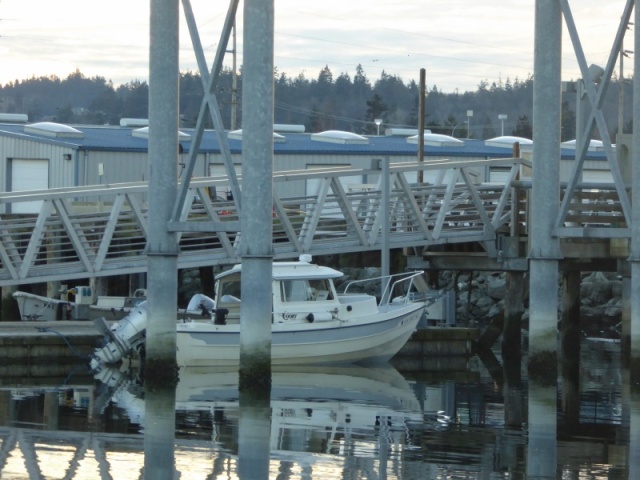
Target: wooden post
<point>570,317</point>
<point>513,310</point>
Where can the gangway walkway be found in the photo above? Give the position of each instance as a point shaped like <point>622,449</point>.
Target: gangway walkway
<point>102,230</point>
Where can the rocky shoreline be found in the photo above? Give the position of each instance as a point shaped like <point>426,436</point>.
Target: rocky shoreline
<point>481,295</point>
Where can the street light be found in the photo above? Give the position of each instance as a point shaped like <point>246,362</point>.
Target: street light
<point>453,130</point>
<point>378,122</point>
<point>469,115</point>
<point>502,117</point>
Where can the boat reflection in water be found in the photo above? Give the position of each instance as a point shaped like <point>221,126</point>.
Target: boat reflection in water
<point>319,417</point>
<point>348,422</point>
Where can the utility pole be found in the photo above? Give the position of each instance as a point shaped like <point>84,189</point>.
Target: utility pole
<point>623,53</point>
<point>421,108</point>
<point>234,83</point>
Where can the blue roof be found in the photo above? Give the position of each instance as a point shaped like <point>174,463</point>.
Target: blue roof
<point>109,138</point>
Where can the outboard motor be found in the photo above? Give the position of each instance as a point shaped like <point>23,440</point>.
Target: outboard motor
<point>122,338</point>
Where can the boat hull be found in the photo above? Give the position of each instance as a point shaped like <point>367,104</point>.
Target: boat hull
<point>34,307</point>
<point>372,339</point>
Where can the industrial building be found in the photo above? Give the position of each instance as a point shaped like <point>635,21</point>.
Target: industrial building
<point>50,155</point>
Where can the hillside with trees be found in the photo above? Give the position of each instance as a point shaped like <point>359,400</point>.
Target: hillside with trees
<point>326,102</point>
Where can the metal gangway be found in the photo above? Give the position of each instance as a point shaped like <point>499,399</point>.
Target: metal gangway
<point>101,230</point>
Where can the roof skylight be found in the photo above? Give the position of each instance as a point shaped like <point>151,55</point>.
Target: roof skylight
<point>594,145</point>
<point>144,133</point>
<point>339,136</point>
<point>54,130</point>
<point>237,135</point>
<point>288,128</point>
<point>507,141</point>
<point>437,140</point>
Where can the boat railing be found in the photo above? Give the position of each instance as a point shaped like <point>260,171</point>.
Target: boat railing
<point>405,287</point>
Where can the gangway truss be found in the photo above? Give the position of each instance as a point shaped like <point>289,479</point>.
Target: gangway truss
<point>101,230</point>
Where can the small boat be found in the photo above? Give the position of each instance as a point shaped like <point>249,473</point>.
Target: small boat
<point>311,322</point>
<point>75,304</point>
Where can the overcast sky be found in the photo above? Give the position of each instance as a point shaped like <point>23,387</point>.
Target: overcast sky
<point>458,42</point>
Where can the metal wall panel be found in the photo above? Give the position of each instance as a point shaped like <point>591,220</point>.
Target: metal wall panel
<point>61,170</point>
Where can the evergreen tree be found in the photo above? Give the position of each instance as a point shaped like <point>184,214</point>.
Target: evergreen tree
<point>345,102</point>
<point>523,128</point>
<point>487,128</point>
<point>568,122</point>
<point>376,108</point>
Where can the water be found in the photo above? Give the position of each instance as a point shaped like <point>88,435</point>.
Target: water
<point>477,422</point>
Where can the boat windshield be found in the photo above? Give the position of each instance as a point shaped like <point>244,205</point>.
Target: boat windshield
<point>229,290</point>
<point>305,290</point>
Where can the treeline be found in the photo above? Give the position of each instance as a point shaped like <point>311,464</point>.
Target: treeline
<point>321,103</point>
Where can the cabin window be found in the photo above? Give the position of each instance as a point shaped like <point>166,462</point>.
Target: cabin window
<point>230,291</point>
<point>305,290</point>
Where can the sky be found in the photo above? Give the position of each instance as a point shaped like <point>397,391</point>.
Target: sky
<point>459,43</point>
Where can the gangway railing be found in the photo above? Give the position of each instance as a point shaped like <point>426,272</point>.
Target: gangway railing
<point>594,210</point>
<point>101,230</point>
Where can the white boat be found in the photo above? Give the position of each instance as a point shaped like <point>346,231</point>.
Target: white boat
<point>75,304</point>
<point>311,322</point>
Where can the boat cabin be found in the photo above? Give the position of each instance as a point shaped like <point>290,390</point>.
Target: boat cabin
<point>301,290</point>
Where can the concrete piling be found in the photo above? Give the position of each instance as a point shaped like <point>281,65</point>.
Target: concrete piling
<point>545,249</point>
<point>163,150</point>
<point>257,195</point>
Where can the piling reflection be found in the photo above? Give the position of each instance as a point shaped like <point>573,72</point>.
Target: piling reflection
<point>487,420</point>
<point>317,420</point>
<point>159,433</point>
<point>634,437</point>
<point>541,445</point>
<point>254,434</point>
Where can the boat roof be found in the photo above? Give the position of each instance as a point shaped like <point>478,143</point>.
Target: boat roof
<point>293,271</point>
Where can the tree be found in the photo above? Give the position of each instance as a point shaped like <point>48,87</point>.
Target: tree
<point>568,122</point>
<point>344,102</point>
<point>455,128</point>
<point>361,86</point>
<point>65,115</point>
<point>487,128</point>
<point>376,108</point>
<point>523,128</point>
<point>435,127</point>
<point>324,84</point>
<point>314,123</point>
<point>135,99</point>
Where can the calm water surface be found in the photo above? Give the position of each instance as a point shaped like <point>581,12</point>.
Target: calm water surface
<point>475,421</point>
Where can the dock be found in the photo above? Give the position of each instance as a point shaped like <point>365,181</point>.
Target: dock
<point>50,348</point>
<point>45,348</point>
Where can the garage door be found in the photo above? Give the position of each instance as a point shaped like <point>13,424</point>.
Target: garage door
<point>28,175</point>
